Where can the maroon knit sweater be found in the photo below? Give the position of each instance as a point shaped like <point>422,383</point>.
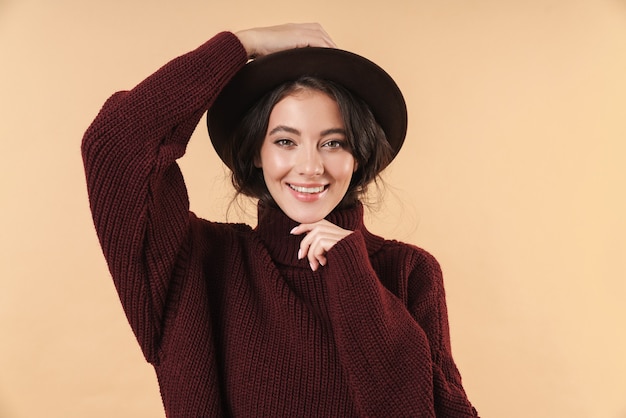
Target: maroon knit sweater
<point>233,322</point>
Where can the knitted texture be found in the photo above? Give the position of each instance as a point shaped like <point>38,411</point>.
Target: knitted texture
<point>233,323</point>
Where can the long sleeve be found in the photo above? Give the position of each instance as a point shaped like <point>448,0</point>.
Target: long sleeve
<point>395,345</point>
<point>136,191</point>
<point>427,305</point>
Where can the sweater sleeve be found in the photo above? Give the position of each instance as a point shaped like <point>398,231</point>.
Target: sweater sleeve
<point>427,306</point>
<point>397,353</point>
<point>137,195</point>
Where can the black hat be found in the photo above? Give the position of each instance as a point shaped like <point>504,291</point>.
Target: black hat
<point>359,75</point>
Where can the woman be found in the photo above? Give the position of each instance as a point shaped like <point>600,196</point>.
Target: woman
<point>308,314</point>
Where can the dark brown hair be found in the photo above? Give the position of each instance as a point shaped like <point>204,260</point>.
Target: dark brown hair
<point>366,140</point>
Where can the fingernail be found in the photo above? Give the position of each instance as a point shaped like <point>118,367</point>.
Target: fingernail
<point>312,266</point>
<point>293,229</point>
<point>299,254</point>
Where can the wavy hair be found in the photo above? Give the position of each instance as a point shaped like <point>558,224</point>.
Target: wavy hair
<point>365,138</point>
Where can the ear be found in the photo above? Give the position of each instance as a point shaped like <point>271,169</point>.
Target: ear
<point>356,166</point>
<point>257,162</point>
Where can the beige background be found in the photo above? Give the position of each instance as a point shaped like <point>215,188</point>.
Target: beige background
<point>513,177</point>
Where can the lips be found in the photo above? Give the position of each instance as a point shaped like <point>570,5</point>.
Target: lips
<point>308,190</point>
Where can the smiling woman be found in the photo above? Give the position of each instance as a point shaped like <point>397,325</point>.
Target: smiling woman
<point>362,135</point>
<point>306,164</point>
<point>308,314</point>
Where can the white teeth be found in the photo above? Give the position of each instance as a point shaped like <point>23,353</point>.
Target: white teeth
<point>307,189</point>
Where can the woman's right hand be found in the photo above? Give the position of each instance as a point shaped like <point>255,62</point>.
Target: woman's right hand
<point>266,40</point>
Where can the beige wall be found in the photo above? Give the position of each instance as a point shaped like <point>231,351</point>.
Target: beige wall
<point>513,176</point>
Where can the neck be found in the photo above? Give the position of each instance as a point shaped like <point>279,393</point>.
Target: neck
<point>274,227</point>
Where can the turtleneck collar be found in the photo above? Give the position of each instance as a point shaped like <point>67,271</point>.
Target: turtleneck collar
<point>273,228</point>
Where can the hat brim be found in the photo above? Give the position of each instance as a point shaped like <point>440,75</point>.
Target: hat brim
<point>361,76</point>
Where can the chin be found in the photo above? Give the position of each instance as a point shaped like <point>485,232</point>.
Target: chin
<point>306,217</point>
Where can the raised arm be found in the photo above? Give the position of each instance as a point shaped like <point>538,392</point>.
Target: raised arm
<point>137,195</point>
<point>136,191</point>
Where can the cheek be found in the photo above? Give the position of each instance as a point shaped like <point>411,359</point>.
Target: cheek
<point>343,168</point>
<point>350,165</point>
<point>273,164</point>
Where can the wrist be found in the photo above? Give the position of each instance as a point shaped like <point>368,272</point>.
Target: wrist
<point>246,40</point>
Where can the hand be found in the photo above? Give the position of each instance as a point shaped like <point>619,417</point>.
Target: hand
<point>320,237</point>
<point>263,41</point>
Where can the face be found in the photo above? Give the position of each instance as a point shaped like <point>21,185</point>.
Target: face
<point>305,159</point>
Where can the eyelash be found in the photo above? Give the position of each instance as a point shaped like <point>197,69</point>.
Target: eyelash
<point>333,143</point>
<point>284,142</point>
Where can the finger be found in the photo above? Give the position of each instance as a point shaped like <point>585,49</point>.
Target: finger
<point>312,234</point>
<point>327,38</point>
<point>316,259</point>
<point>320,36</point>
<point>304,249</point>
<point>317,249</point>
<point>320,238</point>
<point>298,230</point>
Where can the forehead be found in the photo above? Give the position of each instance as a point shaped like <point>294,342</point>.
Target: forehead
<point>307,92</point>
<point>306,103</point>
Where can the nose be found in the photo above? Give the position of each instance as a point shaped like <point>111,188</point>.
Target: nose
<point>309,162</point>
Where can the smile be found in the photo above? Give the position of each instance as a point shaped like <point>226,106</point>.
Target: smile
<point>311,190</point>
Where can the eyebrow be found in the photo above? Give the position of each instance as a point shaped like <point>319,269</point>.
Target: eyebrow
<point>283,128</point>
<point>289,129</point>
<point>334,131</point>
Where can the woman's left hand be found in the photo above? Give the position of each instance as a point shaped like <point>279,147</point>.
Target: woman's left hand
<point>320,237</point>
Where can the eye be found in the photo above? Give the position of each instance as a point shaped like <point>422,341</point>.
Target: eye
<point>284,142</point>
<point>334,143</point>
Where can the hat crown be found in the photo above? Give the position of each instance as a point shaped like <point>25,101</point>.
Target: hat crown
<point>360,76</point>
